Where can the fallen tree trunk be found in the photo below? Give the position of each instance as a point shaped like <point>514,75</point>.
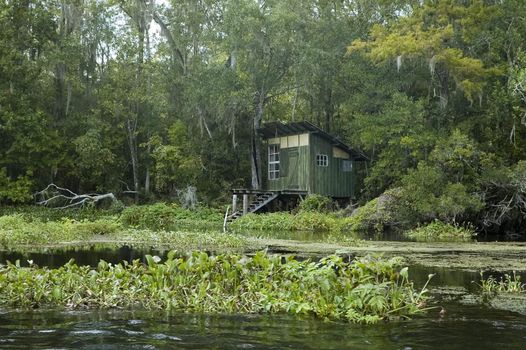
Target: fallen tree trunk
<point>62,198</point>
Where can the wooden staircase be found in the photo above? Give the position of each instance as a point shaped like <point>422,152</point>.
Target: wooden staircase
<point>260,200</point>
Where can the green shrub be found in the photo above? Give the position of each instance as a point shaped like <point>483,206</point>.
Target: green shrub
<point>429,194</point>
<point>15,190</point>
<point>439,231</point>
<point>315,202</point>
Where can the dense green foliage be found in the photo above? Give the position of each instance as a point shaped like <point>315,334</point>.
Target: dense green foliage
<point>113,95</point>
<point>366,290</point>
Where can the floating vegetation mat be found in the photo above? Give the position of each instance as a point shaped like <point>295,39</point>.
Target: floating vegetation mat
<point>365,290</point>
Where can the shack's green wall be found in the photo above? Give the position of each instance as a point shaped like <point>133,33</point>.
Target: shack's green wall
<point>331,180</point>
<point>288,176</point>
<point>327,181</point>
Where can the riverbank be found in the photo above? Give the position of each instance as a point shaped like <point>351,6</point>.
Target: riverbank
<point>165,227</point>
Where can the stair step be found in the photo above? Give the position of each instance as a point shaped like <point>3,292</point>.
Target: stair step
<point>257,203</point>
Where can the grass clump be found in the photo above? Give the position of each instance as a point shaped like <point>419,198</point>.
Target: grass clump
<point>440,231</point>
<point>161,216</point>
<point>366,290</point>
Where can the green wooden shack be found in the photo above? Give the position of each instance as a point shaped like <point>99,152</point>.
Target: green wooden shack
<point>301,159</point>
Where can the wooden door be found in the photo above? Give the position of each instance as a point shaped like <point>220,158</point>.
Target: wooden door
<point>292,170</point>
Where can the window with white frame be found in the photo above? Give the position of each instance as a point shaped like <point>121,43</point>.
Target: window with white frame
<point>273,162</point>
<point>322,160</point>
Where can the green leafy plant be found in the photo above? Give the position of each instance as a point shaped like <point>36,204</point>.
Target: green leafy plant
<point>366,290</point>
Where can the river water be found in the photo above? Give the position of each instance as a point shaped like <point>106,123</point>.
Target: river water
<point>467,327</point>
<point>463,326</point>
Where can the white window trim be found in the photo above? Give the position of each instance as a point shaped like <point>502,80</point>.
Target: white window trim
<point>322,160</point>
<point>273,174</point>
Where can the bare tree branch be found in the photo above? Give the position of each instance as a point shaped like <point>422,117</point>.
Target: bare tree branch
<point>63,198</point>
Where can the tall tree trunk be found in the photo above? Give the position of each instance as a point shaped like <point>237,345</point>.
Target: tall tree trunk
<point>131,129</point>
<point>148,111</point>
<point>328,110</point>
<point>147,178</point>
<point>255,154</point>
<point>60,76</point>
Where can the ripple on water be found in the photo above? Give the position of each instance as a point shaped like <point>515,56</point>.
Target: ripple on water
<point>129,332</point>
<point>92,332</point>
<point>161,336</point>
<point>133,322</point>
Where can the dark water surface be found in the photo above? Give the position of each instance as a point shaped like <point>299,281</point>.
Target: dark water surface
<point>56,257</point>
<point>463,327</point>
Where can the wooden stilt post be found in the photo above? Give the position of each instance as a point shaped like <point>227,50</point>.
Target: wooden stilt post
<point>245,204</point>
<point>234,203</point>
<point>226,219</point>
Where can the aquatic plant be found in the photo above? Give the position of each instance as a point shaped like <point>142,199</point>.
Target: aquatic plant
<point>440,231</point>
<point>507,284</point>
<point>365,290</point>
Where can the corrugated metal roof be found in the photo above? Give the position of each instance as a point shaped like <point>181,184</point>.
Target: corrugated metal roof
<point>277,129</point>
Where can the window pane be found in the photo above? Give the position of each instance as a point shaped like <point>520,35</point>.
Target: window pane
<point>273,162</point>
<point>322,160</point>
